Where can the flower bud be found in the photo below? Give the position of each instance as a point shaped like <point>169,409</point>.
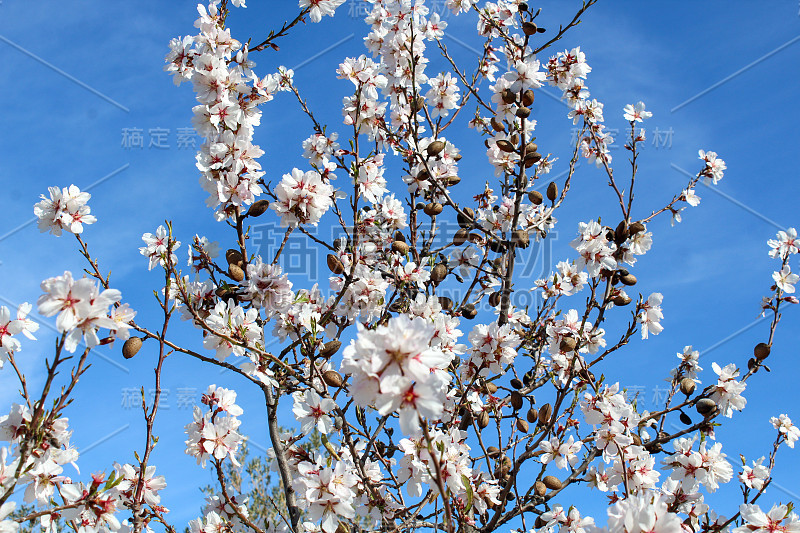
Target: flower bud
<point>636,227</point>
<point>520,238</point>
<point>551,482</point>
<point>516,400</point>
<point>400,247</point>
<point>258,208</point>
<point>761,351</point>
<point>552,191</point>
<point>705,406</point>
<point>330,348</point>
<point>438,273</point>
<point>567,344</point>
<point>505,146</point>
<point>236,273</point>
<point>466,220</point>
<point>496,246</point>
<point>468,311</point>
<point>621,299</point>
<point>234,257</point>
<point>529,28</point>
<point>433,209</point>
<point>131,347</point>
<point>466,420</point>
<point>335,264</point>
<point>435,148</point>
<point>497,125</point>
<point>460,237</point>
<point>535,197</point>
<point>332,378</point>
<point>527,98</point>
<point>621,232</point>
<point>508,96</point>
<point>545,413</point>
<point>495,298</point>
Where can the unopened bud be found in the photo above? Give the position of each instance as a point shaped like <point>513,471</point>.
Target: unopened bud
<point>551,482</point>
<point>236,273</point>
<point>435,148</point>
<point>332,378</point>
<point>400,247</point>
<point>330,348</point>
<point>258,208</point>
<point>535,197</point>
<point>705,406</point>
<point>335,264</point>
<point>552,191</point>
<point>761,351</point>
<point>234,257</point>
<point>433,209</point>
<point>131,347</point>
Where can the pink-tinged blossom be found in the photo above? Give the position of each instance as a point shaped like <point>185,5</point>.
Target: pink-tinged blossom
<point>232,329</point>
<point>786,428</point>
<point>755,476</point>
<point>646,513</point>
<point>313,411</point>
<point>213,437</point>
<point>636,113</point>
<point>569,521</point>
<point>728,391</point>
<point>715,167</point>
<point>7,525</point>
<point>267,287</point>
<point>156,246</point>
<point>65,210</point>
<point>302,198</point>
<point>320,8</point>
<point>785,280</point>
<point>563,453</point>
<point>785,244</point>
<point>220,399</point>
<point>395,367</point>
<point>81,308</point>
<point>779,519</point>
<point>650,315</point>
<point>596,251</point>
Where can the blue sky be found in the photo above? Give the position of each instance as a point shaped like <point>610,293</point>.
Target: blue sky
<point>75,75</point>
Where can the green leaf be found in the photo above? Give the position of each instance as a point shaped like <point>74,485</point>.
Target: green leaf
<point>470,495</point>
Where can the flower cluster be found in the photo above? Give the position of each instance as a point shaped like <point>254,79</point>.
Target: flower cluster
<point>65,210</point>
<point>82,309</point>
<point>9,327</point>
<point>395,369</point>
<point>213,435</point>
<point>229,94</point>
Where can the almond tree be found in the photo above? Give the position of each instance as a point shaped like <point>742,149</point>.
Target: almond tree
<point>425,421</point>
